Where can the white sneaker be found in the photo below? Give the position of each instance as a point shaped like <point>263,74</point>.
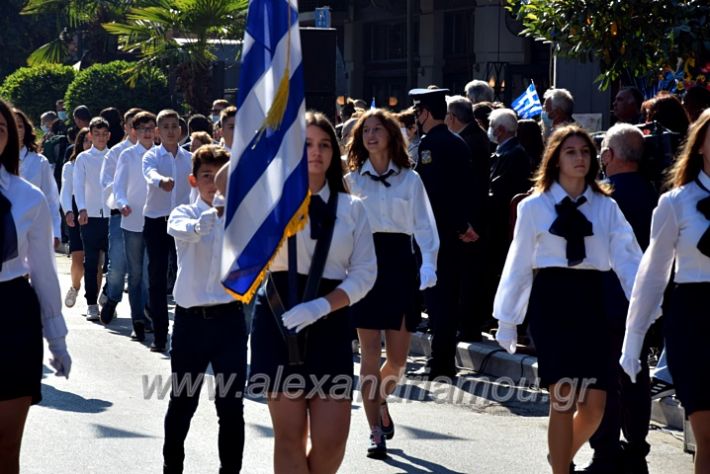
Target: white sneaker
<point>103,298</point>
<point>70,299</point>
<point>93,313</point>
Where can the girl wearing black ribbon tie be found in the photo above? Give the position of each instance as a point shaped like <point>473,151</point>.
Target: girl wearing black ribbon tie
<point>32,306</point>
<point>397,208</point>
<point>680,232</point>
<point>303,356</point>
<point>567,234</point>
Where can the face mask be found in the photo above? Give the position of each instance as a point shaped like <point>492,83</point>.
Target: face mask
<point>45,129</point>
<point>491,135</point>
<point>62,115</point>
<point>546,120</point>
<point>214,118</point>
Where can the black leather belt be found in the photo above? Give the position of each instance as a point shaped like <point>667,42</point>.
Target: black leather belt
<point>212,312</point>
<point>115,212</point>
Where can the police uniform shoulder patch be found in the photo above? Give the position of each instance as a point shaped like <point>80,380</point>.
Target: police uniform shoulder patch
<point>425,157</point>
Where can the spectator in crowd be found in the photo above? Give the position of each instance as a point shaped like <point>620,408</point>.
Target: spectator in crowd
<point>627,105</point>
<point>61,112</point>
<point>460,120</point>
<point>668,111</point>
<point>217,107</point>
<point>346,112</point>
<point>479,91</point>
<point>481,111</point>
<point>115,123</point>
<point>557,110</point>
<point>408,122</point>
<point>530,137</point>
<point>198,123</point>
<point>695,101</point>
<point>51,125</point>
<point>226,124</point>
<point>628,405</point>
<point>54,143</point>
<point>197,139</point>
<point>361,105</point>
<point>81,116</point>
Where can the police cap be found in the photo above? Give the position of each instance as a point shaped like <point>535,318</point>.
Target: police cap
<point>432,99</point>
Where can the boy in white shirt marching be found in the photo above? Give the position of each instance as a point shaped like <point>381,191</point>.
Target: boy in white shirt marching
<point>165,169</point>
<point>93,212</point>
<point>130,191</point>
<point>209,325</point>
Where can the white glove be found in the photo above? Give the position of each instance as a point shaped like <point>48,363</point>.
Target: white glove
<point>631,353</point>
<point>507,336</point>
<point>427,276</point>
<point>206,222</point>
<point>305,314</point>
<point>61,361</point>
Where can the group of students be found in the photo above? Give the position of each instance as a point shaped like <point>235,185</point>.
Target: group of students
<point>567,234</point>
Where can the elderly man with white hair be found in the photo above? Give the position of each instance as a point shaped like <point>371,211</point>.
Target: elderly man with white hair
<point>557,110</point>
<point>628,405</point>
<point>479,91</point>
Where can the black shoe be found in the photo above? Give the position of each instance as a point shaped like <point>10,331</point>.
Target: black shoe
<point>387,430</point>
<point>469,337</point>
<point>378,446</point>
<point>138,331</point>
<point>604,466</point>
<point>157,347</point>
<point>108,311</point>
<point>634,458</point>
<point>661,389</point>
<point>433,375</point>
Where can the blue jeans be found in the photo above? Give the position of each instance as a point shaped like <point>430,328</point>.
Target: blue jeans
<point>116,260</point>
<point>137,292</point>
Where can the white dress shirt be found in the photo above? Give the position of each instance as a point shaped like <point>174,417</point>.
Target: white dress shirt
<point>108,171</point>
<point>613,246</point>
<point>35,250</point>
<point>352,252</point>
<point>676,228</point>
<point>36,169</point>
<point>67,192</point>
<point>159,163</point>
<point>88,192</point>
<point>129,187</point>
<point>197,282</point>
<point>403,207</point>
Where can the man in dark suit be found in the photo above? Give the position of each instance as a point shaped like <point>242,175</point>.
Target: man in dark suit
<point>445,170</point>
<point>510,174</point>
<point>628,405</point>
<point>460,120</point>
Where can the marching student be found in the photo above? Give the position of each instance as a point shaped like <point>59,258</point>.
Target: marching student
<point>37,170</point>
<point>397,208</point>
<point>117,265</point>
<point>567,235</point>
<point>32,307</point>
<point>322,324</point>
<point>93,212</point>
<point>209,328</point>
<point>226,125</point>
<point>166,169</point>
<point>680,232</point>
<point>130,191</point>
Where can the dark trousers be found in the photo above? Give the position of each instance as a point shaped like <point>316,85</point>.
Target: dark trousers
<point>94,238</point>
<point>159,245</point>
<point>628,405</point>
<point>442,307</point>
<point>471,311</point>
<point>197,342</point>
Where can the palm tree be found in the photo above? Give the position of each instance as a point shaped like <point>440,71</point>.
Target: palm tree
<point>178,36</point>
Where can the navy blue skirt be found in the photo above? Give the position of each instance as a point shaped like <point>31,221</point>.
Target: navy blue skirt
<point>21,347</point>
<point>328,357</point>
<point>394,295</point>
<point>568,326</point>
<point>687,328</point>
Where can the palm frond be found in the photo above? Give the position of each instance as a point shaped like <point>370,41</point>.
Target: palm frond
<point>53,52</point>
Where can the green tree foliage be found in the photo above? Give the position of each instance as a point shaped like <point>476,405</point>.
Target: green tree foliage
<point>175,35</point>
<point>630,38</point>
<point>104,85</point>
<point>36,89</point>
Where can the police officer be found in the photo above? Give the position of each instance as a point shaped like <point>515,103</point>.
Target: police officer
<point>445,169</point>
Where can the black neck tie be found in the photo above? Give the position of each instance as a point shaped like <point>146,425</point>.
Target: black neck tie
<point>8,232</point>
<point>382,179</point>
<point>320,216</point>
<point>574,227</point>
<point>703,207</point>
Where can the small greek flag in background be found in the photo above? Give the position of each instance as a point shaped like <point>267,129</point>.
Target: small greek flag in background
<point>528,104</point>
<point>267,194</point>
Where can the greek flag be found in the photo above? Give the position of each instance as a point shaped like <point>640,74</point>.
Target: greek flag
<point>267,191</point>
<point>528,104</point>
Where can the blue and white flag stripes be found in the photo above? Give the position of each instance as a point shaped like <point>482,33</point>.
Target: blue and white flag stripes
<point>267,192</point>
<point>528,104</point>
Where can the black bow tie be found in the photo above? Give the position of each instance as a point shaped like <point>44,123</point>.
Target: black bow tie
<point>703,207</point>
<point>8,232</point>
<point>381,178</point>
<point>574,227</point>
<point>320,216</point>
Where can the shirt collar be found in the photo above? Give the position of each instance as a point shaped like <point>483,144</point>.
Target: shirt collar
<point>704,179</point>
<point>368,168</point>
<point>4,179</point>
<point>324,192</point>
<point>202,205</point>
<point>95,151</point>
<point>559,193</point>
<point>23,153</point>
<point>505,145</point>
